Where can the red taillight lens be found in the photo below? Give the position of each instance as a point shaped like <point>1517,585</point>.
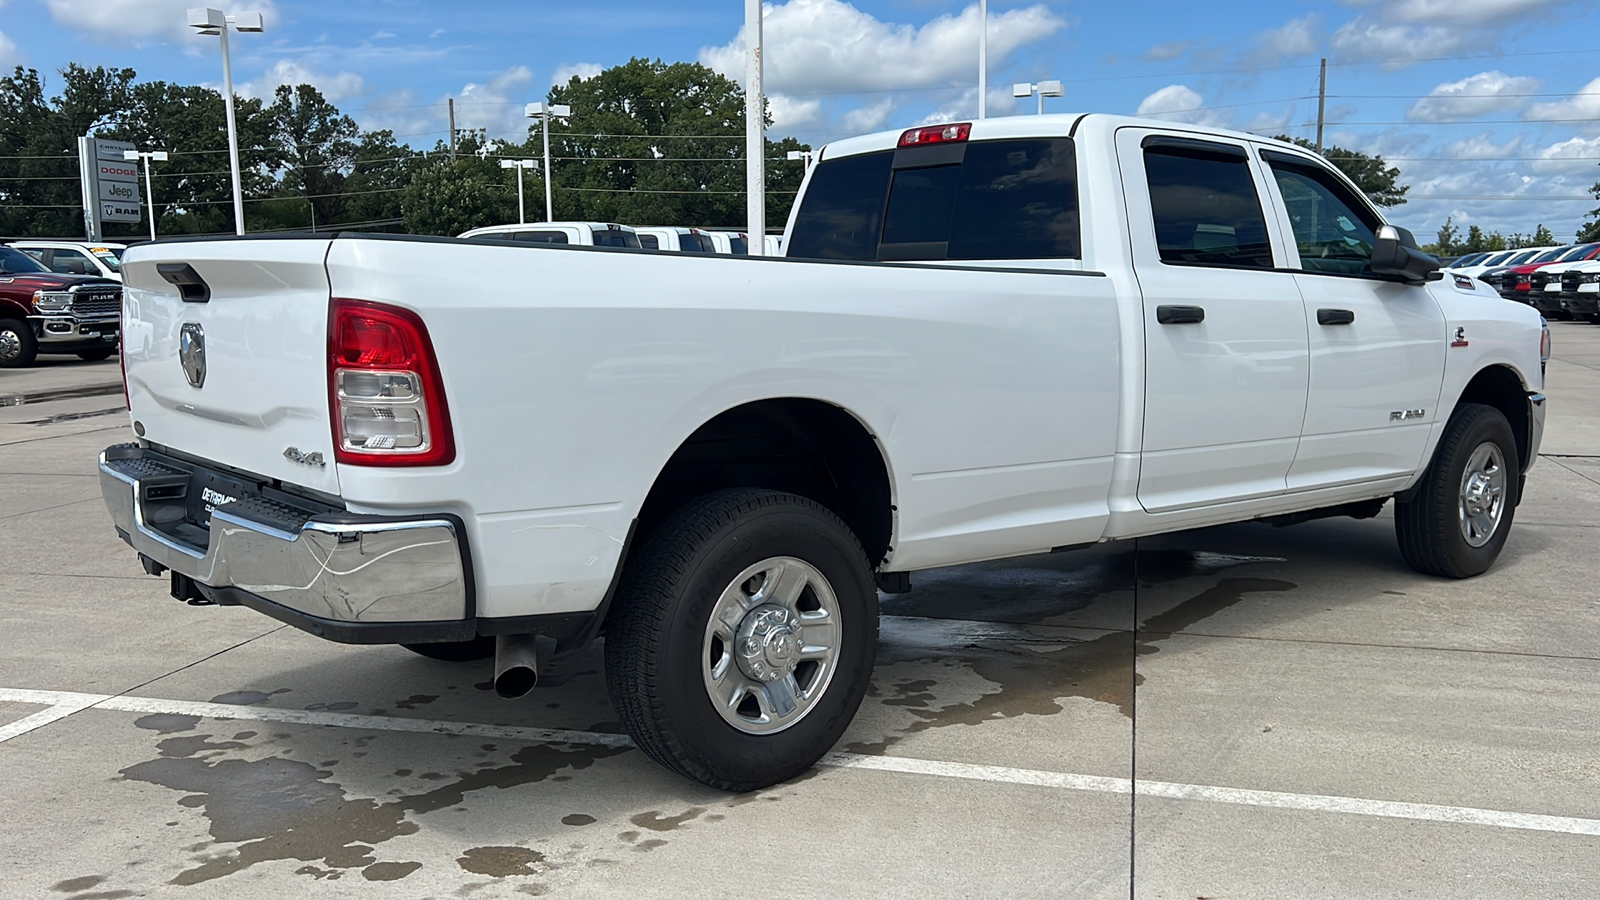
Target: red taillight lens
<point>936,134</point>
<point>385,394</point>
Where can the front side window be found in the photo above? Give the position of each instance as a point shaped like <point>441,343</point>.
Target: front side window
<point>15,262</point>
<point>71,262</point>
<point>1205,207</point>
<point>1333,231</point>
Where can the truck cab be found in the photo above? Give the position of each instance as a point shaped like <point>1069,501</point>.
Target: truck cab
<point>77,258</point>
<point>575,234</point>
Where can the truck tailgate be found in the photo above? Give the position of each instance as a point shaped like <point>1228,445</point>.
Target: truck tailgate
<point>262,332</point>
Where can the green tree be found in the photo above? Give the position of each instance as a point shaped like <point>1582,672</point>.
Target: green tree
<point>655,144</point>
<point>1379,180</point>
<point>1590,230</point>
<point>447,197</point>
<point>1449,242</point>
<point>319,147</point>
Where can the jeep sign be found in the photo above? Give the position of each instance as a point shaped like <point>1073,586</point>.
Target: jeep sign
<point>110,184</point>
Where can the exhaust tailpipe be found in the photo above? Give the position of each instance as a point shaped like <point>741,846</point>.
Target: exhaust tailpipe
<point>516,665</point>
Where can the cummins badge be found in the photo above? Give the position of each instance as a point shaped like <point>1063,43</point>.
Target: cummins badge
<point>192,353</point>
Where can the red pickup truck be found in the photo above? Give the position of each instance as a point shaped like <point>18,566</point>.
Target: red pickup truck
<point>45,312</point>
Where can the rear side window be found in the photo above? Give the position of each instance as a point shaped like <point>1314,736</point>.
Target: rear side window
<point>536,237</point>
<point>1205,208</point>
<point>649,242</point>
<point>738,246</point>
<point>842,213</point>
<point>694,243</point>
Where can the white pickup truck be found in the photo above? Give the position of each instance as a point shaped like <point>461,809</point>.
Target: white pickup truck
<point>987,340</point>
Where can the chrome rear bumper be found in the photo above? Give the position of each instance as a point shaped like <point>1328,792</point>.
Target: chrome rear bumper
<point>311,561</point>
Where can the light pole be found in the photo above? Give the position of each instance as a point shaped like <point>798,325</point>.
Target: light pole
<point>1043,89</point>
<point>149,190</point>
<point>755,132</point>
<point>544,112</point>
<point>214,21</point>
<point>983,57</point>
<point>519,165</point>
<point>809,157</point>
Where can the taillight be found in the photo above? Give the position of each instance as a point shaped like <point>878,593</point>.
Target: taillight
<point>936,134</point>
<point>385,395</point>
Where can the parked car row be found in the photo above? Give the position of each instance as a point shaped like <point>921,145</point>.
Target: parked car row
<point>46,311</point>
<point>1560,282</point>
<point>666,238</point>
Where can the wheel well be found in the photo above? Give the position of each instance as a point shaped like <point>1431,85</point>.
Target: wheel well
<point>800,446</point>
<point>1499,387</point>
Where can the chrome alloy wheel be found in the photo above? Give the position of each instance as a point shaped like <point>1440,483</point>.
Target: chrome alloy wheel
<point>10,345</point>
<point>1483,494</point>
<point>772,645</point>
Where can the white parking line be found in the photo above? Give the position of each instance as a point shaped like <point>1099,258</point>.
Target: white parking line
<point>63,703</point>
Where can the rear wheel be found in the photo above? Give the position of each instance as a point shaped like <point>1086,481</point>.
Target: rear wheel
<point>455,651</point>
<point>1457,521</point>
<point>18,346</point>
<point>96,354</point>
<point>742,638</point>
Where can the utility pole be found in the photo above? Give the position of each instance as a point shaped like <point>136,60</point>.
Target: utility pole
<point>1322,100</point>
<point>453,130</point>
<point>983,57</point>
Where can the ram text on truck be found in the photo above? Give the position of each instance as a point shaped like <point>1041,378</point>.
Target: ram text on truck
<point>987,340</point>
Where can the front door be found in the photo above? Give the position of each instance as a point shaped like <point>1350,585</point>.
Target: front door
<point>1225,334</point>
<point>1377,346</point>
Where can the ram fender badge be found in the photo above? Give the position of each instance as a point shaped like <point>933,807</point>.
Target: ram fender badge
<point>1402,415</point>
<point>1460,339</point>
<point>192,353</point>
<point>314,458</point>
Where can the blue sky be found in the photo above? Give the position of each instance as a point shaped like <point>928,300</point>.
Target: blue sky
<point>1491,108</point>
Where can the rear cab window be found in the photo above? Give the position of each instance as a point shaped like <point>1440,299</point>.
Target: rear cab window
<point>997,199</point>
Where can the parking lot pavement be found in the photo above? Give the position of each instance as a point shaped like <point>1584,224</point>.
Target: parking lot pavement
<point>1236,712</point>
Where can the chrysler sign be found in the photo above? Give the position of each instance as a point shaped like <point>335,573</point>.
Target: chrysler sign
<point>110,184</point>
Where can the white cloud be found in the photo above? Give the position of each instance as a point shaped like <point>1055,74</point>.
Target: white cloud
<point>498,105</point>
<point>1482,146</point>
<point>965,107</point>
<point>1475,95</point>
<point>8,52</point>
<point>1400,32</point>
<point>872,117</point>
<point>1400,45</point>
<point>1180,103</point>
<point>1466,13</point>
<point>1574,156</point>
<point>568,71</point>
<point>1294,38</point>
<point>291,72</point>
<point>119,20</point>
<point>829,46</point>
<point>381,35</point>
<point>1585,104</point>
<point>792,114</point>
<point>1165,52</point>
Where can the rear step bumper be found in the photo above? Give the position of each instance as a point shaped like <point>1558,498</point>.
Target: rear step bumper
<point>346,577</point>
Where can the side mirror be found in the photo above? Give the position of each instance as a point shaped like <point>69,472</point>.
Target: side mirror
<point>1395,253</point>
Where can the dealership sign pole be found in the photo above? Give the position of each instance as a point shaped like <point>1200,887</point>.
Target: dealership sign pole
<point>755,132</point>
<point>110,185</point>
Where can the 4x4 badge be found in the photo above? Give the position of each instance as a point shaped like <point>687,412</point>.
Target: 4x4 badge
<point>192,353</point>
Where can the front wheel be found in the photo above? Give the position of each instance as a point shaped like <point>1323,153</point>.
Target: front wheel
<point>18,347</point>
<point>742,638</point>
<point>1457,521</point>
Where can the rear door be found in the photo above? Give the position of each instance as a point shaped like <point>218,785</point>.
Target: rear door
<point>1225,334</point>
<point>235,373</point>
<point>1377,346</point>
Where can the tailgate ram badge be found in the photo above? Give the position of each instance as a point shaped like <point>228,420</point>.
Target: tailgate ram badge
<point>192,353</point>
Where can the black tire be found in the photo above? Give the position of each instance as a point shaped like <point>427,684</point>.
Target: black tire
<point>96,354</point>
<point>18,347</point>
<point>656,635</point>
<point>455,651</point>
<point>1429,524</point>
<point>1592,318</point>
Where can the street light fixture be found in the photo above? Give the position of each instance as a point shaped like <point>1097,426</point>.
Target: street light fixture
<point>544,112</point>
<point>149,190</point>
<point>519,165</point>
<point>214,21</point>
<point>1043,89</point>
<point>809,157</point>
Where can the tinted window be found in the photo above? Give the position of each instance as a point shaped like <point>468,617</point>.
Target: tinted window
<point>694,243</point>
<point>842,211</point>
<point>15,262</point>
<point>1550,255</point>
<point>1205,208</point>
<point>1006,200</point>
<point>536,237</point>
<point>72,262</point>
<point>609,238</point>
<point>1333,230</point>
<point>649,242</point>
<point>738,246</point>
